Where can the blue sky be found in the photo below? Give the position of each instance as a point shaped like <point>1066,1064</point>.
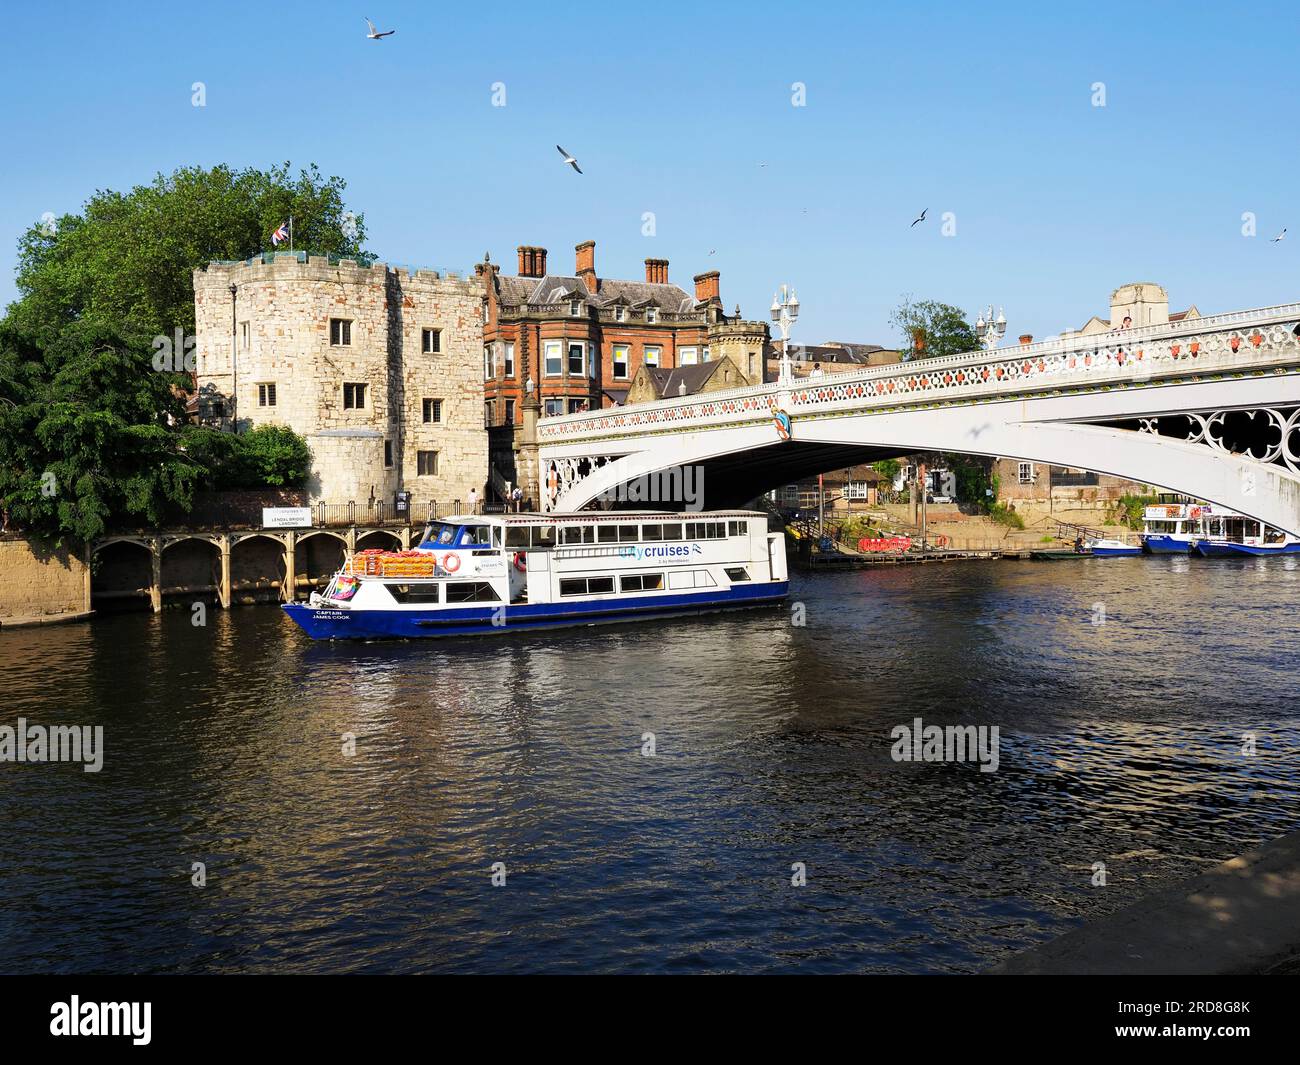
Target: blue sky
<point>670,108</point>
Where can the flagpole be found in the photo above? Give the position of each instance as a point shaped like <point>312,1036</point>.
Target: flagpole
<point>291,234</point>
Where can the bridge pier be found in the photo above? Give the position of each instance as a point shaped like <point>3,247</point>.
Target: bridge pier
<point>155,582</point>
<point>223,588</point>
<point>289,593</point>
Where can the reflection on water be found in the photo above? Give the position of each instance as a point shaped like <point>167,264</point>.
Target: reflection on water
<point>1121,742</point>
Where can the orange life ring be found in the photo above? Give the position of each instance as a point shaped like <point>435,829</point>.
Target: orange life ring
<point>521,563</point>
<point>451,562</point>
<point>941,541</point>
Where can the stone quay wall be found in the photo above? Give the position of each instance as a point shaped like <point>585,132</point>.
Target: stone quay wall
<point>40,583</point>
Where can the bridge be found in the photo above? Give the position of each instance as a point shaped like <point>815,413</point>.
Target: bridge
<point>1208,407</point>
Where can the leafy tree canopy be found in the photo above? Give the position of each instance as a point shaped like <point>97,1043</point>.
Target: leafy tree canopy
<point>931,329</point>
<point>127,259</point>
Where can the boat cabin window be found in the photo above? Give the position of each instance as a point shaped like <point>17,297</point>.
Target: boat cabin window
<point>414,593</point>
<point>439,532</point>
<point>737,528</point>
<point>673,530</point>
<point>641,582</point>
<point>543,535</point>
<point>627,533</point>
<point>578,534</point>
<point>736,574</point>
<point>471,592</point>
<point>586,585</point>
<point>476,536</point>
<point>516,536</point>
<point>706,530</point>
<point>652,532</point>
<point>607,534</point>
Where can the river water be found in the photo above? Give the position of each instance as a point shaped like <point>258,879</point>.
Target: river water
<point>1121,689</point>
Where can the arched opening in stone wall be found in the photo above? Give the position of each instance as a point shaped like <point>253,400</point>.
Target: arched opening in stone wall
<point>256,570</point>
<point>317,558</point>
<point>381,539</point>
<point>120,575</point>
<point>191,572</point>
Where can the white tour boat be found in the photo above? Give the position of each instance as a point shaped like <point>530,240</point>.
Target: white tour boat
<point>482,573</point>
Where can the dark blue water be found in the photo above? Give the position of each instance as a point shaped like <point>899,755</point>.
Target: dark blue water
<point>1120,742</point>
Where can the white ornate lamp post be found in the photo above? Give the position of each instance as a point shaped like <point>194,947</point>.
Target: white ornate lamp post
<point>785,312</point>
<point>989,330</point>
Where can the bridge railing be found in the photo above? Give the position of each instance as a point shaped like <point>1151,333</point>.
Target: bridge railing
<point>1236,337</point>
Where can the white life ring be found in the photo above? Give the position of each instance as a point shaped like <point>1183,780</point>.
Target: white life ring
<point>451,562</point>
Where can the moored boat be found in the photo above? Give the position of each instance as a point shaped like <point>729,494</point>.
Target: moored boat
<point>1228,533</point>
<point>1100,547</point>
<point>1172,528</point>
<point>478,574</point>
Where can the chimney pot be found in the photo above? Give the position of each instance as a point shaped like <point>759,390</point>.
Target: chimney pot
<point>532,261</point>
<point>585,266</point>
<point>707,287</point>
<point>1026,338</point>
<point>656,271</point>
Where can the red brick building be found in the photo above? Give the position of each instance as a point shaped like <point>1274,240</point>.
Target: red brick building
<point>561,343</point>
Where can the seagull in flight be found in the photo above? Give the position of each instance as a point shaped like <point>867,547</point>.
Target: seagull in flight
<point>375,35</point>
<point>1279,236</point>
<point>920,219</point>
<point>569,159</point>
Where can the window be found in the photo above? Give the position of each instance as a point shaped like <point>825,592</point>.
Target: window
<point>737,528</point>
<point>586,585</point>
<point>414,593</point>
<point>431,341</point>
<point>244,331</point>
<point>735,574</point>
<point>620,360</point>
<point>432,411</point>
<point>652,532</point>
<point>543,535</point>
<point>578,406</point>
<point>266,395</point>
<point>642,582</point>
<point>578,534</point>
<point>510,360</point>
<point>340,333</point>
<point>628,533</point>
<point>489,368</point>
<point>705,530</point>
<point>554,407</point>
<point>673,531</point>
<point>620,313</point>
<point>553,351</point>
<point>516,536</point>
<point>388,454</point>
<point>855,490</point>
<point>354,396</point>
<point>688,357</point>
<point>705,356</point>
<point>510,412</point>
<point>691,579</point>
<point>576,359</point>
<point>651,355</point>
<point>575,309</point>
<point>606,534</point>
<point>426,463</point>
<point>651,315</point>
<point>471,592</point>
<point>488,414</point>
<point>1025,472</point>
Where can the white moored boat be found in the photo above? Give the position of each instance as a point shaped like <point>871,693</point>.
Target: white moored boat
<point>502,572</point>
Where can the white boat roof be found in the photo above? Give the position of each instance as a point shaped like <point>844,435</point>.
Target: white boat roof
<point>597,517</point>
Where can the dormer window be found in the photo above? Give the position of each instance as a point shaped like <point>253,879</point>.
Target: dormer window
<point>620,313</point>
<point>651,315</point>
<point>575,308</point>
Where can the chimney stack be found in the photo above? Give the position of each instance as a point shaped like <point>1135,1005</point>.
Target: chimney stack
<point>586,265</point>
<point>656,271</point>
<point>532,261</point>
<point>706,287</point>
<point>1026,338</point>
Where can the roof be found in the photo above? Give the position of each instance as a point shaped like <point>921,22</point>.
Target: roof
<point>668,383</point>
<point>833,352</point>
<point>553,288</point>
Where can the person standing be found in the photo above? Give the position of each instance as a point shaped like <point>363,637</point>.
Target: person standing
<point>473,500</point>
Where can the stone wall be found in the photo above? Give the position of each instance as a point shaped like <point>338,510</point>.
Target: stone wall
<point>280,333</point>
<point>36,581</point>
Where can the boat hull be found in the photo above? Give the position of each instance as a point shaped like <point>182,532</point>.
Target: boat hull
<point>329,623</point>
<point>1115,552</point>
<point>1211,549</point>
<point>1156,544</point>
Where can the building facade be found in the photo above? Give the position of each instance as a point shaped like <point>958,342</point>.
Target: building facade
<point>379,369</point>
<point>1142,303</point>
<point>559,343</point>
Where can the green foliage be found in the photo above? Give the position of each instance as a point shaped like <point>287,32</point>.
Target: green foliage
<point>270,455</point>
<point>1004,515</point>
<point>1128,509</point>
<point>127,259</point>
<point>86,434</point>
<point>931,329</point>
<point>887,468</point>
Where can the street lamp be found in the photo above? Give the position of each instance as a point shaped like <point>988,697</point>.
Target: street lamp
<point>785,312</point>
<point>990,330</point>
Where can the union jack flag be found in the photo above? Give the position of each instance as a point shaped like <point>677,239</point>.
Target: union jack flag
<point>281,234</point>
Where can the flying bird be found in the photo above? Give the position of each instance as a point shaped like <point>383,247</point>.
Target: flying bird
<point>375,35</point>
<point>1279,236</point>
<point>569,159</point>
<point>920,219</point>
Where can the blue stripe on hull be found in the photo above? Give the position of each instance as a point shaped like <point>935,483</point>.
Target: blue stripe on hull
<point>324,623</point>
<point>1116,552</point>
<point>1212,550</point>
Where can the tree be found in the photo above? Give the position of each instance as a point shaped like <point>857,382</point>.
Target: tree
<point>127,259</point>
<point>931,329</point>
<point>271,455</point>
<point>86,434</point>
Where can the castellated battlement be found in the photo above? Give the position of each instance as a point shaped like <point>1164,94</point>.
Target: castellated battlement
<point>379,367</point>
